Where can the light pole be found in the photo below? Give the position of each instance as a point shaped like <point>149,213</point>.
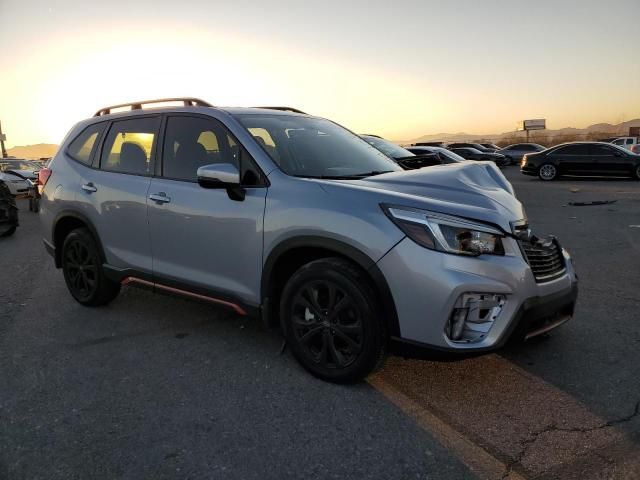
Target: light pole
<point>2,139</point>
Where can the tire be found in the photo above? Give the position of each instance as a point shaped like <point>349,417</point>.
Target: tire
<point>547,172</point>
<point>637,172</point>
<point>8,232</point>
<point>83,273</point>
<point>332,321</point>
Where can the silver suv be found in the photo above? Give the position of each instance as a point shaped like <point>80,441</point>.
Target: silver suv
<point>298,221</point>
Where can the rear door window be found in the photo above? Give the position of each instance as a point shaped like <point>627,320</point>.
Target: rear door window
<point>84,145</point>
<point>130,146</point>
<point>601,150</point>
<point>573,150</point>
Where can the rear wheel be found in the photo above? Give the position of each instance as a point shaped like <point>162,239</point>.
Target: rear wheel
<point>332,322</point>
<point>83,273</point>
<point>637,172</point>
<point>547,172</point>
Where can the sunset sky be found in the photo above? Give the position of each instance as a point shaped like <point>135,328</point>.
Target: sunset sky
<point>398,68</point>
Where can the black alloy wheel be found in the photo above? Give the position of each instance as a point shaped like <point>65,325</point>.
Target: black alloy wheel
<point>327,324</point>
<point>81,269</point>
<point>83,273</point>
<point>331,319</point>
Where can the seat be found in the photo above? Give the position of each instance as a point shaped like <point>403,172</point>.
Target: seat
<point>189,157</point>
<point>133,159</point>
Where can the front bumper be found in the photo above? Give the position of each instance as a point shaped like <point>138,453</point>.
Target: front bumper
<point>426,285</point>
<point>529,169</point>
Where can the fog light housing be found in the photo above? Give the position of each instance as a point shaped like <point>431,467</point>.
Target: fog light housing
<point>456,323</point>
<point>473,316</point>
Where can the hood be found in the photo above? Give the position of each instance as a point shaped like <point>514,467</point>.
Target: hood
<point>9,176</point>
<point>469,189</point>
<point>30,174</point>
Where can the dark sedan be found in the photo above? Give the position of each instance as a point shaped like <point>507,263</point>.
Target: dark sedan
<point>469,153</point>
<point>582,158</point>
<point>402,156</point>
<point>477,146</point>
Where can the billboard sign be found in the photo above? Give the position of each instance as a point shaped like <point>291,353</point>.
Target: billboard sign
<point>534,124</point>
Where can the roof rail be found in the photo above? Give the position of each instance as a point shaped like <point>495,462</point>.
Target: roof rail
<point>284,109</point>
<point>188,102</point>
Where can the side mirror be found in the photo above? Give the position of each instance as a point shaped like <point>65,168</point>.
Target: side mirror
<point>222,175</point>
<point>218,175</point>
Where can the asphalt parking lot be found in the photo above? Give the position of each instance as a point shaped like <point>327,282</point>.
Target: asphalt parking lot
<point>160,387</point>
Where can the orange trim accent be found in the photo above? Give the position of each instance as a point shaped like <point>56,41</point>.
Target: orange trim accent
<point>239,310</point>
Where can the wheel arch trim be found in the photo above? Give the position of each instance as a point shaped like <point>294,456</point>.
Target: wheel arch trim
<point>63,214</point>
<point>342,249</point>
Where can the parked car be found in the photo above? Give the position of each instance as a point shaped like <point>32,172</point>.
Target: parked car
<point>446,156</point>
<point>625,142</point>
<point>582,158</point>
<point>402,156</point>
<point>428,144</point>
<point>491,146</point>
<point>295,220</point>
<point>477,146</point>
<point>24,168</point>
<point>8,211</point>
<point>515,152</point>
<point>469,153</point>
<point>17,185</point>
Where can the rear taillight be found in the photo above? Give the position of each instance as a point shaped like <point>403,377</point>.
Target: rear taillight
<point>43,177</point>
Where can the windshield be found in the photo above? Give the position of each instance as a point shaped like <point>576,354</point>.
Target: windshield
<point>315,147</point>
<point>388,148</point>
<point>452,155</point>
<point>15,165</point>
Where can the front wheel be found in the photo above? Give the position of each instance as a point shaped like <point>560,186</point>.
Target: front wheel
<point>332,321</point>
<point>637,172</point>
<point>83,273</point>
<point>547,172</point>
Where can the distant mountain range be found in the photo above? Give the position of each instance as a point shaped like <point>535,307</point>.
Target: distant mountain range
<point>41,150</point>
<point>606,129</point>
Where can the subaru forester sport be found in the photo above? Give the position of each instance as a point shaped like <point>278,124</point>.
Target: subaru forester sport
<point>298,221</point>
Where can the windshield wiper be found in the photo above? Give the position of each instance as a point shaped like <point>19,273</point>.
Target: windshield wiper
<point>346,177</point>
<point>373,173</point>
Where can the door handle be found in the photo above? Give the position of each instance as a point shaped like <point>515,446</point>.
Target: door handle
<point>89,187</point>
<point>160,197</point>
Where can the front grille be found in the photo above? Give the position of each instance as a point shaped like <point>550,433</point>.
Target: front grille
<point>543,256</point>
<point>545,259</point>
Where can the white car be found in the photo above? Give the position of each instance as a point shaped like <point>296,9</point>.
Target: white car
<point>629,143</point>
<point>17,186</point>
<point>19,175</point>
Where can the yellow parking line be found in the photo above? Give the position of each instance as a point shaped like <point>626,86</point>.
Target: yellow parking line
<point>476,458</point>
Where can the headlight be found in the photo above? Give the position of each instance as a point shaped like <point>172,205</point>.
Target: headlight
<point>446,233</point>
